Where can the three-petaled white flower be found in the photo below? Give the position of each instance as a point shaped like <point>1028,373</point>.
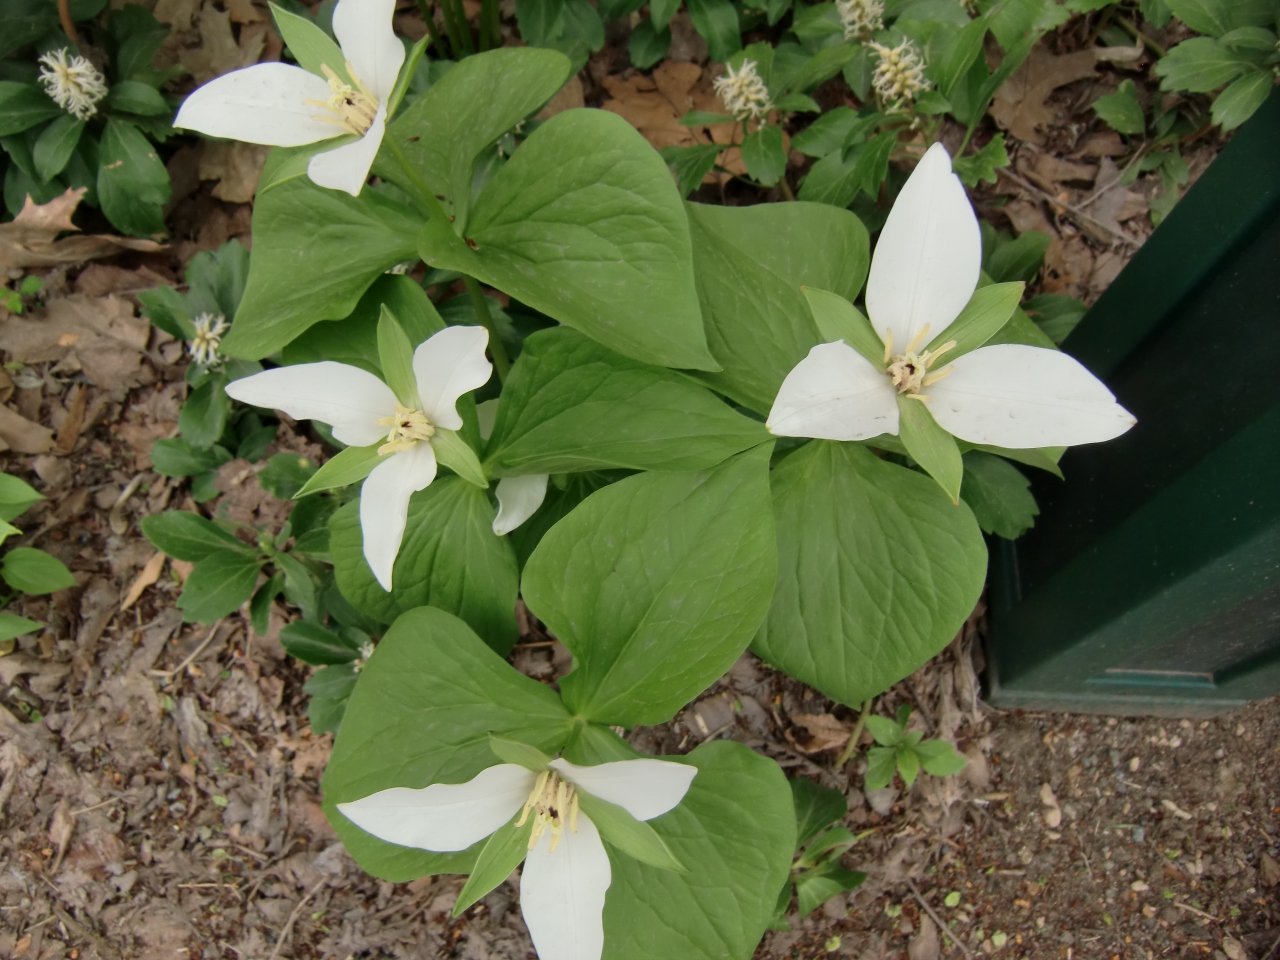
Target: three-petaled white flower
<point>924,270</point>
<point>362,410</point>
<point>286,106</point>
<point>566,871</point>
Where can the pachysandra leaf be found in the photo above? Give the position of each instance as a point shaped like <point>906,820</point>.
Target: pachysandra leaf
<point>656,583</point>
<point>877,570</point>
<point>422,713</point>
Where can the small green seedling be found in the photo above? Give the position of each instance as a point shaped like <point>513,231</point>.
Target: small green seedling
<point>817,874</point>
<point>906,752</point>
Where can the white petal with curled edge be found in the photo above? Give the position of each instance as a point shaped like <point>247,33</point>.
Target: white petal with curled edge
<point>259,104</point>
<point>518,499</point>
<point>1016,396</point>
<point>347,398</point>
<point>363,29</point>
<point>645,788</point>
<point>562,894</point>
<point>927,261</point>
<point>834,393</point>
<point>444,816</point>
<point>384,505</point>
<point>446,365</point>
<point>346,168</point>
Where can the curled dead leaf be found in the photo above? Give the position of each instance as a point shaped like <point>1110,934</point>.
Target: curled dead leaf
<point>29,240</point>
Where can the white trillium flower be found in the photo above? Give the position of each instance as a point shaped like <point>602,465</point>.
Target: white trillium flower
<point>362,410</point>
<point>286,106</point>
<point>925,268</point>
<point>566,872</point>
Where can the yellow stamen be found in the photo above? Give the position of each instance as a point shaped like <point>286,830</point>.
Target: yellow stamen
<point>888,344</point>
<point>353,109</point>
<point>936,376</point>
<point>553,803</point>
<point>408,427</point>
<point>922,336</point>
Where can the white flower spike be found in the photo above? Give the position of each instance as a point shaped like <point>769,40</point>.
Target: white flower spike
<point>73,82</point>
<point>743,91</point>
<point>363,411</point>
<point>923,272</point>
<point>566,871</point>
<point>286,106</point>
<point>203,347</point>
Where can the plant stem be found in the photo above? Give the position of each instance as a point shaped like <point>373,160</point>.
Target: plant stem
<point>426,195</point>
<point>68,25</point>
<point>786,188</point>
<point>481,309</point>
<point>436,40</point>
<point>847,753</point>
<point>1158,50</point>
<point>495,25</point>
<point>464,28</point>
<point>486,14</point>
<point>451,26</point>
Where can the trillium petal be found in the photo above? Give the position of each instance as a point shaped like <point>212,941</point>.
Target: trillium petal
<point>1016,396</point>
<point>447,365</point>
<point>364,31</point>
<point>384,505</point>
<point>347,167</point>
<point>265,103</point>
<point>927,261</point>
<point>645,788</point>
<point>347,398</point>
<point>834,393</point>
<point>562,894</point>
<point>444,816</point>
<point>518,499</point>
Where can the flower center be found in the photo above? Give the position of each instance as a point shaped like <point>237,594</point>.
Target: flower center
<point>910,369</point>
<point>203,347</point>
<point>353,109</point>
<point>407,428</point>
<point>73,82</point>
<point>553,803</point>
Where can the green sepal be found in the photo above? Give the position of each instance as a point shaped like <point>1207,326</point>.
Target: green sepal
<point>310,46</point>
<point>930,446</point>
<point>395,356</point>
<point>1042,458</point>
<point>521,754</point>
<point>987,311</point>
<point>455,453</point>
<point>349,466</point>
<point>407,71</point>
<point>505,849</point>
<point>633,837</point>
<point>838,319</point>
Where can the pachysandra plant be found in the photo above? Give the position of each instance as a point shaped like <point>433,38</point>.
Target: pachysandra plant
<point>335,94</point>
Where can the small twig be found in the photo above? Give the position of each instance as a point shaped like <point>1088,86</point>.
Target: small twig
<point>847,753</point>
<point>1199,913</point>
<point>68,25</point>
<point>938,920</point>
<point>194,653</point>
<point>288,924</point>
<point>1088,201</point>
<point>1137,34</point>
<point>96,806</point>
<point>1076,212</point>
<point>1275,943</point>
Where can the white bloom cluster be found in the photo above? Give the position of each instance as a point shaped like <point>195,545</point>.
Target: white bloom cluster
<point>861,18</point>
<point>899,76</point>
<point>743,92</point>
<point>203,347</point>
<point>73,83</point>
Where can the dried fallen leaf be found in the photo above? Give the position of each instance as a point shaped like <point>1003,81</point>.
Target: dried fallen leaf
<point>1270,870</point>
<point>145,578</point>
<point>22,435</point>
<point>1020,106</point>
<point>236,166</point>
<point>825,732</point>
<point>219,52</point>
<point>99,335</point>
<point>569,97</point>
<point>28,241</point>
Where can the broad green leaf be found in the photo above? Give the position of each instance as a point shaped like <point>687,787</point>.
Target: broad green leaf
<point>648,45</point>
<point>1211,17</point>
<point>343,469</point>
<point>132,96</point>
<point>449,559</point>
<point>838,319</point>
<point>325,714</point>
<point>1200,65</point>
<point>11,625</point>
<point>177,458</point>
<point>823,65</point>
<point>701,118</point>
<point>635,838</point>
<point>422,713</point>
<point>204,415</point>
<point>764,155</point>
<point>1237,103</point>
<point>584,224</point>
<point>313,644</point>
<point>882,764</point>
<point>505,849</point>
<point>311,47</point>
<point>454,452</point>
<point>908,764</point>
<point>816,887</point>
<point>133,184</point>
<point>1017,259</point>
<point>717,21</point>
<point>655,584</point>
<point>564,493</point>
<point>285,474</point>
<point>260,604</point>
<point>1121,110</point>
<point>16,496</point>
<point>315,253</point>
<point>218,584</point>
<point>958,55</point>
<point>572,405</point>
<point>189,536</point>
<point>876,571</point>
<point>540,22</point>
<point>939,758</point>
<point>998,494</point>
<point>690,165</point>
<point>662,11</point>
<point>354,338</point>
<point>22,106</point>
<point>887,733</point>
<point>816,807</point>
<point>518,752</point>
<point>750,264</point>
<point>827,133</point>
<point>832,843</point>
<point>29,570</point>
<point>54,146</point>
<point>442,133</point>
<point>395,356</point>
<point>735,830</point>
<point>982,165</point>
<point>334,682</point>
<point>987,311</point>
